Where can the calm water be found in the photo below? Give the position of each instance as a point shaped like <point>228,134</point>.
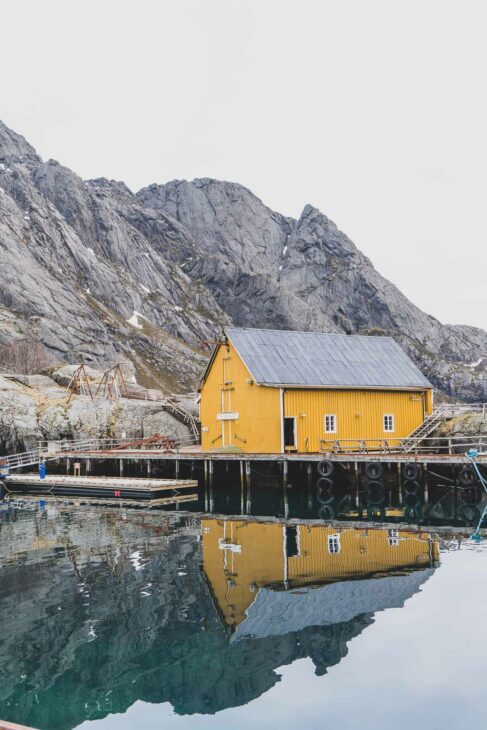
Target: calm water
<point>115,618</point>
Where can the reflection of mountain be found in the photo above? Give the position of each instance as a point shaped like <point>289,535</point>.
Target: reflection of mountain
<point>98,611</point>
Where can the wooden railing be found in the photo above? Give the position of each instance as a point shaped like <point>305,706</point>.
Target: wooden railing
<point>55,449</point>
<point>51,449</point>
<point>439,444</point>
<point>451,410</point>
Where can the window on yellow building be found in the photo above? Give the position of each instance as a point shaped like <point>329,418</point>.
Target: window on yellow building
<point>393,538</point>
<point>334,545</point>
<point>388,422</point>
<point>330,423</point>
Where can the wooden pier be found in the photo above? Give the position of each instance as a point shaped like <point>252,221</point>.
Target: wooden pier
<point>161,491</point>
<point>392,457</point>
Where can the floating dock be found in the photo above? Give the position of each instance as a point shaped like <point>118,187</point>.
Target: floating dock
<point>164,491</point>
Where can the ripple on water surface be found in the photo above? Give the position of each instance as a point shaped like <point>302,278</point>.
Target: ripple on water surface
<point>135,618</point>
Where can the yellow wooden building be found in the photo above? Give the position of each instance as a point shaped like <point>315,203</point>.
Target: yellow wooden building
<point>241,557</point>
<point>272,391</point>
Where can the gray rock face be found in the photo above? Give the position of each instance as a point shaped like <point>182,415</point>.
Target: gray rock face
<point>79,276</point>
<point>270,271</point>
<point>99,274</point>
<point>472,424</point>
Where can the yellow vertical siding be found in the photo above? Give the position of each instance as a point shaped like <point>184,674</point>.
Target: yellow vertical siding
<point>240,557</point>
<point>361,552</point>
<point>359,414</point>
<point>257,428</point>
<point>226,389</point>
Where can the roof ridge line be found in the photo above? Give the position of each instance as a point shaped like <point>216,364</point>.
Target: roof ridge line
<point>307,332</point>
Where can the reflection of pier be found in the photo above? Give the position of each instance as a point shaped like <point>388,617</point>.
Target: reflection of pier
<point>250,565</point>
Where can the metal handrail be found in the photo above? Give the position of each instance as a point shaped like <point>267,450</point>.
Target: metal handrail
<point>406,445</point>
<point>459,408</point>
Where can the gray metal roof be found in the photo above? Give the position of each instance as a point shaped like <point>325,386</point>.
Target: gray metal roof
<point>282,612</point>
<point>314,359</point>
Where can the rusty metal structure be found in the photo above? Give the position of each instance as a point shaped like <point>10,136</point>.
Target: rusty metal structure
<point>113,384</point>
<point>79,383</point>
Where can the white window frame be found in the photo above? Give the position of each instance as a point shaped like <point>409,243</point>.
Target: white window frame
<point>334,540</point>
<point>393,538</point>
<point>335,427</point>
<point>385,423</point>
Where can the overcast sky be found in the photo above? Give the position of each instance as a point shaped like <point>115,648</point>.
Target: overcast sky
<point>373,111</point>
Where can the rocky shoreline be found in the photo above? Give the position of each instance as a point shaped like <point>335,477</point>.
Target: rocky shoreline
<point>36,407</point>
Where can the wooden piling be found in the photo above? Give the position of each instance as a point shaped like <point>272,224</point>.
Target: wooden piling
<point>249,499</point>
<point>242,497</point>
<point>286,500</point>
<point>284,471</point>
<point>309,471</point>
<point>212,497</point>
<point>247,472</point>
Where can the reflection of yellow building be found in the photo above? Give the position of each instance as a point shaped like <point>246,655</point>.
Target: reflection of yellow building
<point>241,557</point>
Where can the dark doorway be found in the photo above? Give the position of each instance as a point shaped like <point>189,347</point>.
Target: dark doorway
<point>292,548</point>
<point>289,432</point>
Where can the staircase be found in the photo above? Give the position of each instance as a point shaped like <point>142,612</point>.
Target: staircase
<point>424,430</point>
<point>184,416</point>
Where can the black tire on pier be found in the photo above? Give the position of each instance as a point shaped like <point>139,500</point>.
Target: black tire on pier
<point>412,500</point>
<point>2,490</point>
<point>470,514</point>
<point>374,470</point>
<point>375,493</point>
<point>413,514</point>
<point>467,476</point>
<point>411,487</point>
<point>411,471</point>
<point>325,468</point>
<point>325,490</point>
<point>327,512</point>
<point>472,495</point>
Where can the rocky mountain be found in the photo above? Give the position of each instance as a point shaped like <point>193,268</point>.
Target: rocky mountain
<point>100,274</point>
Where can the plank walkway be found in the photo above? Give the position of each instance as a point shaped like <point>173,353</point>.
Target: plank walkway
<point>160,491</point>
<point>213,456</point>
<point>150,485</point>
